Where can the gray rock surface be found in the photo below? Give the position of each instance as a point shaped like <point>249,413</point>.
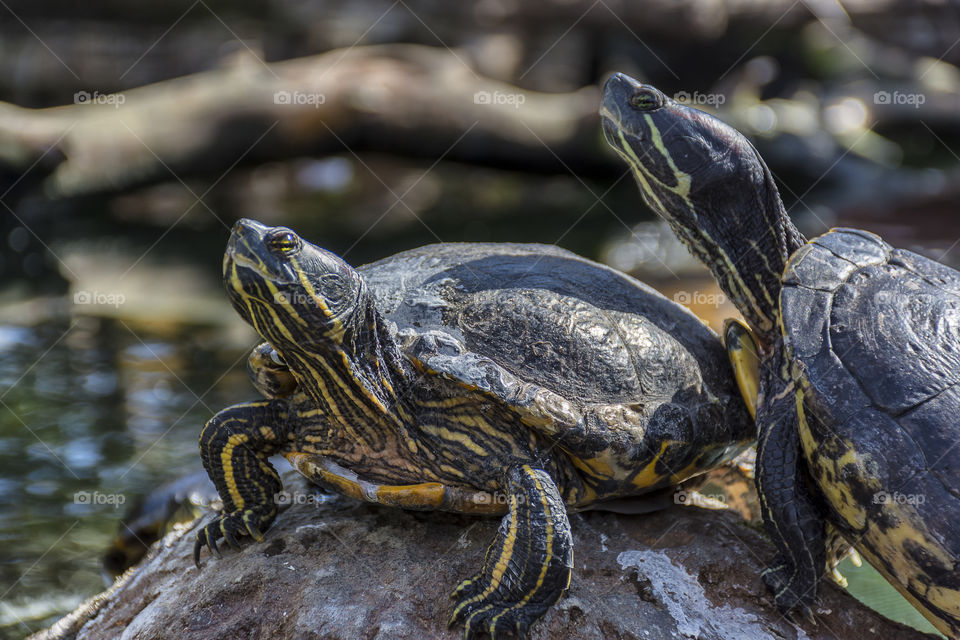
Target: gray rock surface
<point>338,569</point>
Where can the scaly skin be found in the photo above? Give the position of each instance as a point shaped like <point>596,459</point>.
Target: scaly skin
<point>424,421</point>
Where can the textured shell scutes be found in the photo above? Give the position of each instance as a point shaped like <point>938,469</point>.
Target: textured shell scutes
<point>827,261</point>
<point>474,371</point>
<point>585,360</point>
<point>856,245</point>
<point>874,339</point>
<point>813,276</point>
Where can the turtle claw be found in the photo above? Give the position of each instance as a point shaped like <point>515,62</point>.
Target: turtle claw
<point>207,537</point>
<point>198,545</point>
<point>212,543</point>
<point>229,537</point>
<point>855,557</point>
<point>231,527</point>
<point>253,530</point>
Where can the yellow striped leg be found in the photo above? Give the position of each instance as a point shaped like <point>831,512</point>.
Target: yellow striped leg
<point>527,568</point>
<point>234,447</point>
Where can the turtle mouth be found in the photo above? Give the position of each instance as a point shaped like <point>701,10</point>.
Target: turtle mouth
<point>236,251</point>
<point>233,256</point>
<point>235,262</point>
<point>611,127</point>
<point>611,120</point>
<point>616,93</point>
<point>609,115</point>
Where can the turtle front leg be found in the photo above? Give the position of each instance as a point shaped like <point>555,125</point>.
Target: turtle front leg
<point>790,515</point>
<point>527,568</point>
<point>234,446</point>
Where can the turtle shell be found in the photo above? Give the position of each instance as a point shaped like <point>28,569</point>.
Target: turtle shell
<point>572,346</point>
<point>873,334</point>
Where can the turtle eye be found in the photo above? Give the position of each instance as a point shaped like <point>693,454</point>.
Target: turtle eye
<point>283,242</point>
<point>646,100</point>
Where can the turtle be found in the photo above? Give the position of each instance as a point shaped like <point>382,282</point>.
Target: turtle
<point>850,349</point>
<point>518,380</point>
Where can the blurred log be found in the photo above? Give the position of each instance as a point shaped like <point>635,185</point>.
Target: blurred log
<point>404,99</point>
<point>408,100</point>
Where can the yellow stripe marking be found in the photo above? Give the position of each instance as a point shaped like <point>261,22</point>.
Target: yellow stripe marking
<point>267,433</point>
<point>455,436</point>
<point>682,190</point>
<point>549,551</point>
<point>348,366</point>
<point>683,179</point>
<point>226,461</point>
<point>506,553</point>
<point>745,359</point>
<point>424,495</point>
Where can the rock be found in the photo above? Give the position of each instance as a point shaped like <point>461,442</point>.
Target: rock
<point>335,568</point>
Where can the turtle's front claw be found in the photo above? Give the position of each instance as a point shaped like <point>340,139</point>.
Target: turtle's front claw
<point>231,527</point>
<point>207,536</point>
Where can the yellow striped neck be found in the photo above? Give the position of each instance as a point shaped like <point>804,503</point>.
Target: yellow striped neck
<point>746,243</point>
<point>355,379</point>
<point>736,225</point>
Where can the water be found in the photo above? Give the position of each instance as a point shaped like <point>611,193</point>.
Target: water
<point>93,413</point>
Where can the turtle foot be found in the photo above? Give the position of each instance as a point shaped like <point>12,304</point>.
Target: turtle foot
<point>231,527</point>
<point>497,618</point>
<point>528,566</point>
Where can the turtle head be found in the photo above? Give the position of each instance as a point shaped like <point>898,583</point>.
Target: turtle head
<point>298,296</point>
<point>707,180</point>
<point>678,154</point>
